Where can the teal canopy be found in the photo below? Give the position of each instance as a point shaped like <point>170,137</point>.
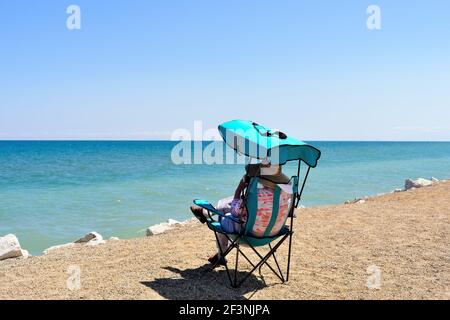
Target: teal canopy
<point>256,141</point>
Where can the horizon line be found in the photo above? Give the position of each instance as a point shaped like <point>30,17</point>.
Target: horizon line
<point>165,140</point>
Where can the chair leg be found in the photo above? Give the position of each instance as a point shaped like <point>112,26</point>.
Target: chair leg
<point>271,252</point>
<point>223,254</point>
<point>289,256</point>
<point>264,261</point>
<point>236,265</point>
<point>245,257</point>
<point>278,266</point>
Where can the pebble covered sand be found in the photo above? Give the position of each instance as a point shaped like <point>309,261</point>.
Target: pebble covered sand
<point>337,251</point>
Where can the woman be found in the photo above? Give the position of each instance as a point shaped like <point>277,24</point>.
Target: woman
<point>269,176</point>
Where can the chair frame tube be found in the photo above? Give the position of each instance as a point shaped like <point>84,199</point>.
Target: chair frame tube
<point>236,244</point>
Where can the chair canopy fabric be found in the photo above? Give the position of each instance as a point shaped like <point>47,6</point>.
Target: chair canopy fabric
<point>256,141</point>
<point>266,211</point>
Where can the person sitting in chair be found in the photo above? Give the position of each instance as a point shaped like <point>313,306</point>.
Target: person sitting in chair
<point>269,175</point>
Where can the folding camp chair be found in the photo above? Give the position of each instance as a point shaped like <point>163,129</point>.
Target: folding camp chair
<point>262,227</point>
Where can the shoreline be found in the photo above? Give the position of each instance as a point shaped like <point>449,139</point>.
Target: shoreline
<point>405,234</point>
<point>171,224</point>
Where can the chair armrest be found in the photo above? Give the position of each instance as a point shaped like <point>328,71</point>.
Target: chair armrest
<point>210,208</point>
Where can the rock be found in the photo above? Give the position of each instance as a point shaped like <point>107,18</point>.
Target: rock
<point>94,239</point>
<point>418,183</point>
<point>67,245</point>
<point>9,247</point>
<point>90,237</point>
<point>158,229</point>
<point>25,254</point>
<point>114,239</point>
<point>357,200</point>
<point>397,191</point>
<point>95,242</point>
<point>163,227</point>
<point>409,184</point>
<point>173,222</point>
<point>433,179</point>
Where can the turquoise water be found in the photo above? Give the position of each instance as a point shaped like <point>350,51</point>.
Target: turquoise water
<point>54,192</point>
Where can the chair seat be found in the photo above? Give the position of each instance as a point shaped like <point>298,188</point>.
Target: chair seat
<point>258,241</point>
<point>215,226</point>
<point>247,239</point>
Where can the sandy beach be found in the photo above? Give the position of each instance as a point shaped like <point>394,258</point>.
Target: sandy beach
<point>405,235</point>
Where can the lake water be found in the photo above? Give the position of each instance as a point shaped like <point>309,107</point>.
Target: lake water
<point>54,192</point>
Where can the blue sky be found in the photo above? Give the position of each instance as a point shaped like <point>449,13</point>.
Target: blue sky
<point>141,69</point>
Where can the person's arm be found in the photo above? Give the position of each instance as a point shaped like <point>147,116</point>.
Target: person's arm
<point>235,210</point>
<point>239,189</point>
